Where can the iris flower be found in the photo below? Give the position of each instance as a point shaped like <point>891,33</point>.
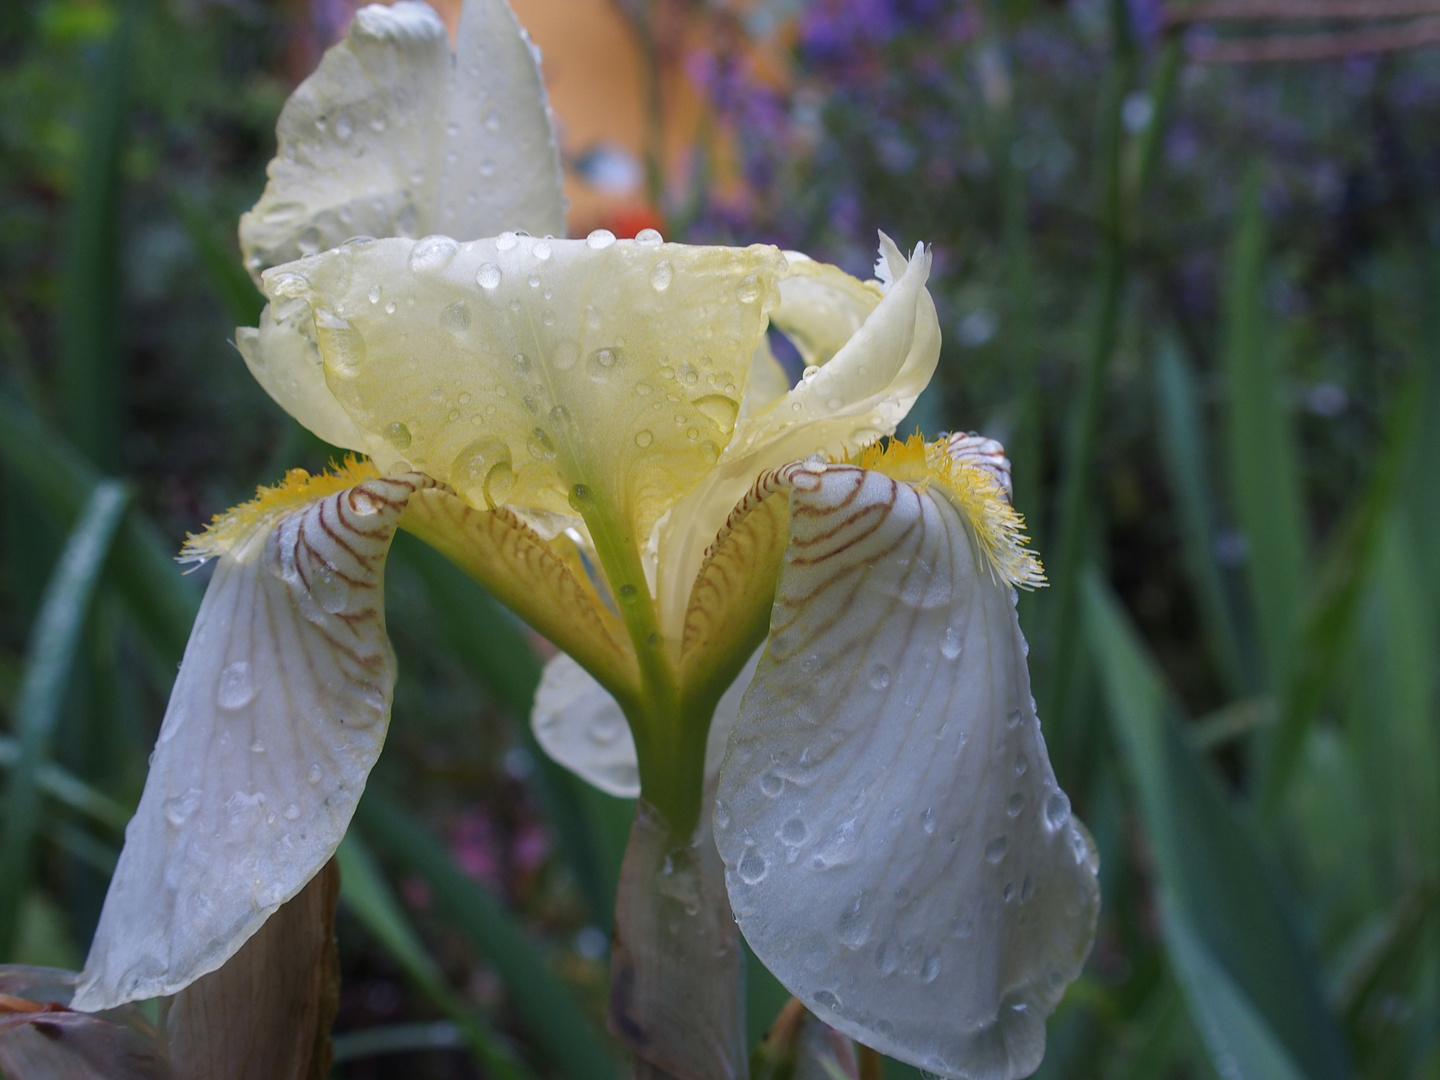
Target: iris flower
<point>597,431</point>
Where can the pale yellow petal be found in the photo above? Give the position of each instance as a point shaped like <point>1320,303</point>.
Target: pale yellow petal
<point>863,391</point>
<point>282,355</point>
<point>557,375</point>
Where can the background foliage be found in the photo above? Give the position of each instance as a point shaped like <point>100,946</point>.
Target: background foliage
<point>1200,304</point>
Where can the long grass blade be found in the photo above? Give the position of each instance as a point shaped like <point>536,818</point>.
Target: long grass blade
<point>54,642</point>
<point>89,310</point>
<point>1329,617</point>
<point>1182,440</point>
<point>1246,976</point>
<point>69,790</point>
<point>1264,483</point>
<point>162,601</point>
<point>364,891</point>
<point>221,265</point>
<point>557,1027</point>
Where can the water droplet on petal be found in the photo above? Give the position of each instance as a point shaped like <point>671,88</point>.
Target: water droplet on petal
<point>951,646</point>
<point>397,435</point>
<point>237,687</point>
<point>330,591</point>
<point>748,291</point>
<point>1015,804</point>
<point>179,808</point>
<point>374,294</point>
<point>649,238</point>
<point>314,774</point>
<point>492,120</point>
<point>721,410</point>
<point>541,250</point>
<point>488,276</point>
<point>505,241</point>
<point>432,253</point>
<point>879,677</point>
<point>344,128</point>
<point>1021,764</point>
<point>600,239</point>
<point>752,867</point>
<point>292,812</point>
<point>995,850</point>
<point>1057,809</point>
<point>644,438</point>
<point>662,275</point>
<point>808,375</point>
<point>771,784</point>
<point>931,969</point>
<point>794,832</point>
<point>456,317</point>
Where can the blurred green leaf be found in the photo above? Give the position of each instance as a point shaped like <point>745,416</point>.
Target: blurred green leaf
<point>89,312</point>
<point>1264,483</point>
<point>1182,440</point>
<point>1329,616</point>
<point>50,658</point>
<point>1236,949</point>
<point>557,1027</point>
<point>367,895</point>
<point>221,263</point>
<point>69,790</point>
<point>162,601</point>
<point>395,1039</point>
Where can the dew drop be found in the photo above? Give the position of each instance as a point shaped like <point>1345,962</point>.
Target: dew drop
<point>748,291</point>
<point>540,446</point>
<point>927,821</point>
<point>951,646</point>
<point>344,128</point>
<point>330,591</point>
<point>534,282</point>
<point>492,120</point>
<point>599,239</point>
<point>340,344</point>
<point>828,998</point>
<point>432,253</point>
<point>522,364</point>
<point>541,250</point>
<point>662,275</point>
<point>488,276</point>
<point>579,497</point>
<point>771,784</point>
<point>1013,718</point>
<point>719,409</point>
<point>482,472</point>
<point>389,307</point>
<point>930,971</point>
<point>1021,764</point>
<point>752,867</point>
<point>180,808</point>
<point>879,677</point>
<point>548,317</point>
<point>853,926</point>
<point>374,294</point>
<point>314,774</point>
<point>1057,809</point>
<point>506,241</point>
<point>808,375</point>
<point>644,438</point>
<point>292,812</point>
<point>887,957</point>
<point>397,435</point>
<point>722,815</point>
<point>1027,889</point>
<point>648,238</point>
<point>1015,804</point>
<point>456,317</point>
<point>237,688</point>
<point>995,850</point>
<point>794,832</point>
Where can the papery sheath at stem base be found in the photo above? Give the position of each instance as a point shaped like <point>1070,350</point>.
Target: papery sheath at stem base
<point>676,990</point>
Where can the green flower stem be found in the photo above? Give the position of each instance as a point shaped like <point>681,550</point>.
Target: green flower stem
<point>669,732</point>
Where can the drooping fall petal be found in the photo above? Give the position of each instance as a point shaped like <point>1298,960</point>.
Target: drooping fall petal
<point>277,715</point>
<point>41,1039</point>
<point>897,850</point>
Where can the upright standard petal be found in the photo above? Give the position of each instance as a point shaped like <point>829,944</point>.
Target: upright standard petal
<point>872,353</point>
<point>897,850</point>
<point>558,375</point>
<point>278,714</point>
<point>394,136</point>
